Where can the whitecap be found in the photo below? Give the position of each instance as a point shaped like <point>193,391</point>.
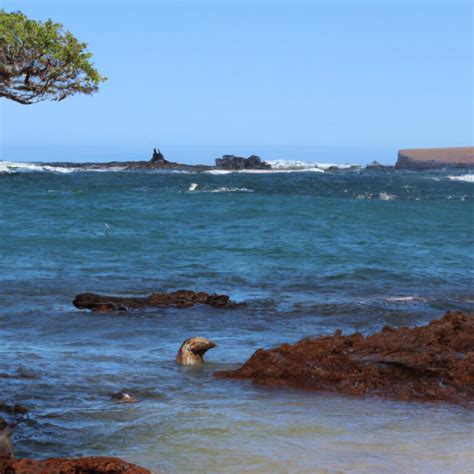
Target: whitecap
<point>290,166</point>
<point>403,299</point>
<point>225,189</point>
<point>295,165</point>
<point>264,171</point>
<point>467,178</point>
<point>15,167</point>
<point>387,197</point>
<point>193,187</point>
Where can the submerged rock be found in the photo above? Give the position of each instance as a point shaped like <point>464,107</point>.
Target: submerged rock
<point>15,409</point>
<point>6,445</point>
<point>232,162</point>
<point>87,465</point>
<point>123,397</point>
<point>178,299</point>
<point>192,350</point>
<point>432,362</point>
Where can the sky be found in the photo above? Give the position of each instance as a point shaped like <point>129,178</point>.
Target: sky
<point>346,81</point>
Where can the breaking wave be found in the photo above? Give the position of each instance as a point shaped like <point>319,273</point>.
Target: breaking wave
<point>295,165</point>
<point>9,167</point>
<point>290,166</point>
<point>467,178</point>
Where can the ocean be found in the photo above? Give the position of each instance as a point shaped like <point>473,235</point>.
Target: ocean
<point>307,252</point>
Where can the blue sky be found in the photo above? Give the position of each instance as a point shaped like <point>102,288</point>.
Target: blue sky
<point>315,80</point>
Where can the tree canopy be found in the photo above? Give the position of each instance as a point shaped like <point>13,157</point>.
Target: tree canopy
<point>41,61</point>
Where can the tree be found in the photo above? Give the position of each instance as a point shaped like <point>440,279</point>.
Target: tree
<point>40,61</point>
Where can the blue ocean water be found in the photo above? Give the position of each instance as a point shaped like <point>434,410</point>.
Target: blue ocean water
<point>307,253</point>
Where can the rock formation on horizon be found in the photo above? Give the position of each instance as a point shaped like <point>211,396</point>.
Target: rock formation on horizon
<point>232,162</point>
<point>158,157</point>
<point>427,158</point>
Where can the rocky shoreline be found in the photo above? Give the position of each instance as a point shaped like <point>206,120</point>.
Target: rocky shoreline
<point>84,465</point>
<point>428,363</point>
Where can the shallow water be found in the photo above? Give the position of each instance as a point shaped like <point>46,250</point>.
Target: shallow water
<point>307,253</point>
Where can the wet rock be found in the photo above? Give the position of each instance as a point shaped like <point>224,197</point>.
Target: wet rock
<point>178,299</point>
<point>232,162</point>
<point>123,397</point>
<point>192,350</point>
<point>87,465</point>
<point>6,445</point>
<point>15,409</point>
<point>432,362</point>
<point>376,165</point>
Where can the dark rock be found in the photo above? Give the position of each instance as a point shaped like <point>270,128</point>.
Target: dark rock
<point>86,465</point>
<point>157,162</point>
<point>158,157</point>
<point>6,445</point>
<point>15,409</point>
<point>232,162</point>
<point>178,299</point>
<point>376,165</point>
<point>432,362</point>
<point>123,397</point>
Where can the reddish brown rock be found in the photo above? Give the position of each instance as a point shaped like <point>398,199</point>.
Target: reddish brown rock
<point>178,299</point>
<point>89,465</point>
<point>426,158</point>
<point>432,362</point>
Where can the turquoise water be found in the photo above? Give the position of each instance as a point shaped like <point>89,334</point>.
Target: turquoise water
<point>307,253</point>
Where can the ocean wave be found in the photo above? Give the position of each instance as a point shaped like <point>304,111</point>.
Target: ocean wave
<point>290,166</point>
<point>266,171</point>
<point>295,165</point>
<point>225,189</point>
<point>404,299</point>
<point>193,188</point>
<point>386,196</point>
<point>467,178</point>
<point>14,167</point>
<point>9,167</point>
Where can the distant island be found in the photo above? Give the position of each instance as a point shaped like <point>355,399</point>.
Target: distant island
<point>427,158</point>
<point>409,159</point>
<point>158,162</point>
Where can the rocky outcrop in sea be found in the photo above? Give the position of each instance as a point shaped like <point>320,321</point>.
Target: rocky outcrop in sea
<point>177,299</point>
<point>232,162</point>
<point>427,363</point>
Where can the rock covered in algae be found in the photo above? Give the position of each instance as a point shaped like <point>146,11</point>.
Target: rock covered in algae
<point>432,362</point>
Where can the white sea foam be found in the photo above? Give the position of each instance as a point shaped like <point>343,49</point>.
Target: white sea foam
<point>18,167</point>
<point>403,299</point>
<point>225,189</point>
<point>265,171</point>
<point>295,165</point>
<point>192,187</point>
<point>467,178</point>
<point>387,197</point>
<point>290,166</point>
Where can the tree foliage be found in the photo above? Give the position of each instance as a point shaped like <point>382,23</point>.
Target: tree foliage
<point>40,61</point>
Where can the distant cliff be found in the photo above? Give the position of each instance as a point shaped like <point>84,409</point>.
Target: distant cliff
<point>426,158</point>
